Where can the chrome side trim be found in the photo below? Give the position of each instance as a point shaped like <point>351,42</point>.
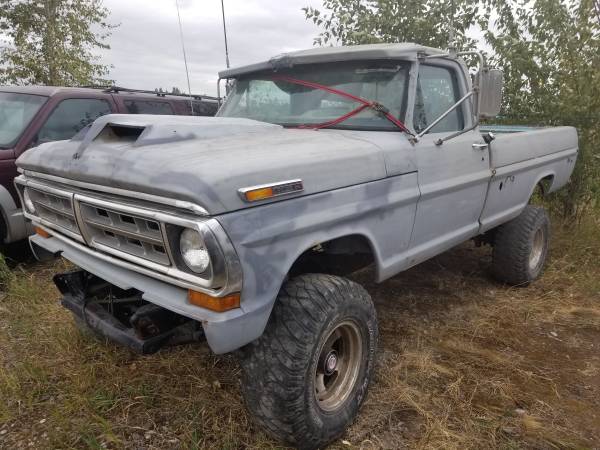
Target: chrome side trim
<point>193,207</point>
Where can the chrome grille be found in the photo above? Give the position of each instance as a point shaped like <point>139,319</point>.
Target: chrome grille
<point>106,228</point>
<point>54,208</point>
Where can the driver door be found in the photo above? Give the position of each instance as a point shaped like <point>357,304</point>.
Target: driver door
<point>453,176</point>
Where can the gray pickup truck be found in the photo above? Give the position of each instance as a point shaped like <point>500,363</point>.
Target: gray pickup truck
<point>239,229</point>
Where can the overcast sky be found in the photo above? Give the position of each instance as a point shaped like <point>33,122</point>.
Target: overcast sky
<point>146,49</point>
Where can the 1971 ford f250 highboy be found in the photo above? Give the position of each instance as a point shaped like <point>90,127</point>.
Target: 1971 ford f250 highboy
<point>240,228</point>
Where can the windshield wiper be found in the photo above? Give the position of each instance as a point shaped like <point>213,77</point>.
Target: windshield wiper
<point>364,104</point>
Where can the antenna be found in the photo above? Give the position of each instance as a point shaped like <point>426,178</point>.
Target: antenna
<point>187,72</point>
<point>225,35</point>
<point>452,32</point>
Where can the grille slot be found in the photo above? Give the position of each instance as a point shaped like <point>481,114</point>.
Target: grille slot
<point>138,236</point>
<point>56,209</point>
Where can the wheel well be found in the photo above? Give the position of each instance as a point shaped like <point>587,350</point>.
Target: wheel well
<point>339,256</point>
<point>544,184</point>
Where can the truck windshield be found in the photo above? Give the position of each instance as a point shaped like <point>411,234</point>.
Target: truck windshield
<point>268,97</point>
<point>16,111</point>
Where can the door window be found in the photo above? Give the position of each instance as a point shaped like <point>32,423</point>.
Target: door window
<point>70,116</point>
<point>148,107</point>
<point>437,91</point>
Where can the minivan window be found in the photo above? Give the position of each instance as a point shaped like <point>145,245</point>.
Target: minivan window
<point>437,91</point>
<point>16,112</point>
<point>148,107</point>
<point>70,116</point>
<point>206,108</point>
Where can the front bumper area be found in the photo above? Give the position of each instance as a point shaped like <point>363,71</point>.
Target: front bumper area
<point>122,317</point>
<point>224,332</point>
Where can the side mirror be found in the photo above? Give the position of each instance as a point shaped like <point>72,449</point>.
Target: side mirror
<point>490,92</point>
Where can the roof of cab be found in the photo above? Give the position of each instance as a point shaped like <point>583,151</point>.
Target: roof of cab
<point>404,51</point>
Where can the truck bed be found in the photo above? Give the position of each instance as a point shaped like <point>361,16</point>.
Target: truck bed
<point>521,158</point>
<point>511,147</point>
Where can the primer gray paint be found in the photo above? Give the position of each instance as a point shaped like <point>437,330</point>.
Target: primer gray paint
<point>411,201</point>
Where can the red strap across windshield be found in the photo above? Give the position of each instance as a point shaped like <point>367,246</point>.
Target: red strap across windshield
<point>364,104</point>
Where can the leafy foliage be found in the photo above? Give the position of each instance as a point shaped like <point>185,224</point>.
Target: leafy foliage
<point>427,22</point>
<point>550,54</point>
<point>549,51</point>
<point>51,42</point>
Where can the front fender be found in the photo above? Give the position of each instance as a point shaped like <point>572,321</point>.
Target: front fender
<point>269,238</point>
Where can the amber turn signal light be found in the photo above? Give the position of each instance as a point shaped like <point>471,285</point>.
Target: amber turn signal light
<point>218,304</point>
<point>259,194</point>
<point>41,232</point>
<point>262,192</point>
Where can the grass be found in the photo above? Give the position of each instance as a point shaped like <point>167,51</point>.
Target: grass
<point>465,363</point>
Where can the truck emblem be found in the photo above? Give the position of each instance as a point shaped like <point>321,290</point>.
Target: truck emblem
<point>270,190</point>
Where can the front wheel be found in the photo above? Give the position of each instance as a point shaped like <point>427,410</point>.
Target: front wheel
<point>306,377</point>
<point>521,247</point>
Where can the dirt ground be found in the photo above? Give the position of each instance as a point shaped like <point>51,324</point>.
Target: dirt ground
<point>465,363</point>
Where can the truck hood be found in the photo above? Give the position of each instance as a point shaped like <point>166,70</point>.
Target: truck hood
<point>206,160</point>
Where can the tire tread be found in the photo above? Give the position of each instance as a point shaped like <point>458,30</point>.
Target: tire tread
<point>273,385</point>
<point>512,246</point>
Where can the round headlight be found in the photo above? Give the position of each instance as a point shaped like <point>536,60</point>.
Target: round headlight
<point>29,206</point>
<point>194,253</point>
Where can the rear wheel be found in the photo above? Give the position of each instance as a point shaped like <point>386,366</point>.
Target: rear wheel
<point>521,247</point>
<point>306,377</point>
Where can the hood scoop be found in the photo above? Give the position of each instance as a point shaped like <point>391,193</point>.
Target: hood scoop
<point>142,129</point>
<point>113,132</point>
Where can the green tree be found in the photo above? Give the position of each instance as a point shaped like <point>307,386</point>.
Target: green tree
<point>549,51</point>
<point>550,55</point>
<point>427,22</point>
<point>51,42</point>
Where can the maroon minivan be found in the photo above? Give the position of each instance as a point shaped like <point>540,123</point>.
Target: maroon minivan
<point>31,115</point>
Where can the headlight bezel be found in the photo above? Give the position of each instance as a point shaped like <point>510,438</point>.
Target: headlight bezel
<point>28,202</point>
<point>218,271</point>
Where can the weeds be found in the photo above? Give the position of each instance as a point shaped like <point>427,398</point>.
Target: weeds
<point>465,363</point>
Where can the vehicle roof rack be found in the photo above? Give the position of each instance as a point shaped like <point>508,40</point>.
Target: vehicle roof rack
<point>117,89</point>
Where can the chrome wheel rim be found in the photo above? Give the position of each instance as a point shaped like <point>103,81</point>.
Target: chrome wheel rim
<point>537,249</point>
<point>338,366</point>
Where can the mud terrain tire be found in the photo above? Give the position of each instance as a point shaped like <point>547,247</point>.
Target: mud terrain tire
<point>306,377</point>
<point>521,247</point>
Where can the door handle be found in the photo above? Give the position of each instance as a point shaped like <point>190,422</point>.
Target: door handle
<point>481,146</point>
